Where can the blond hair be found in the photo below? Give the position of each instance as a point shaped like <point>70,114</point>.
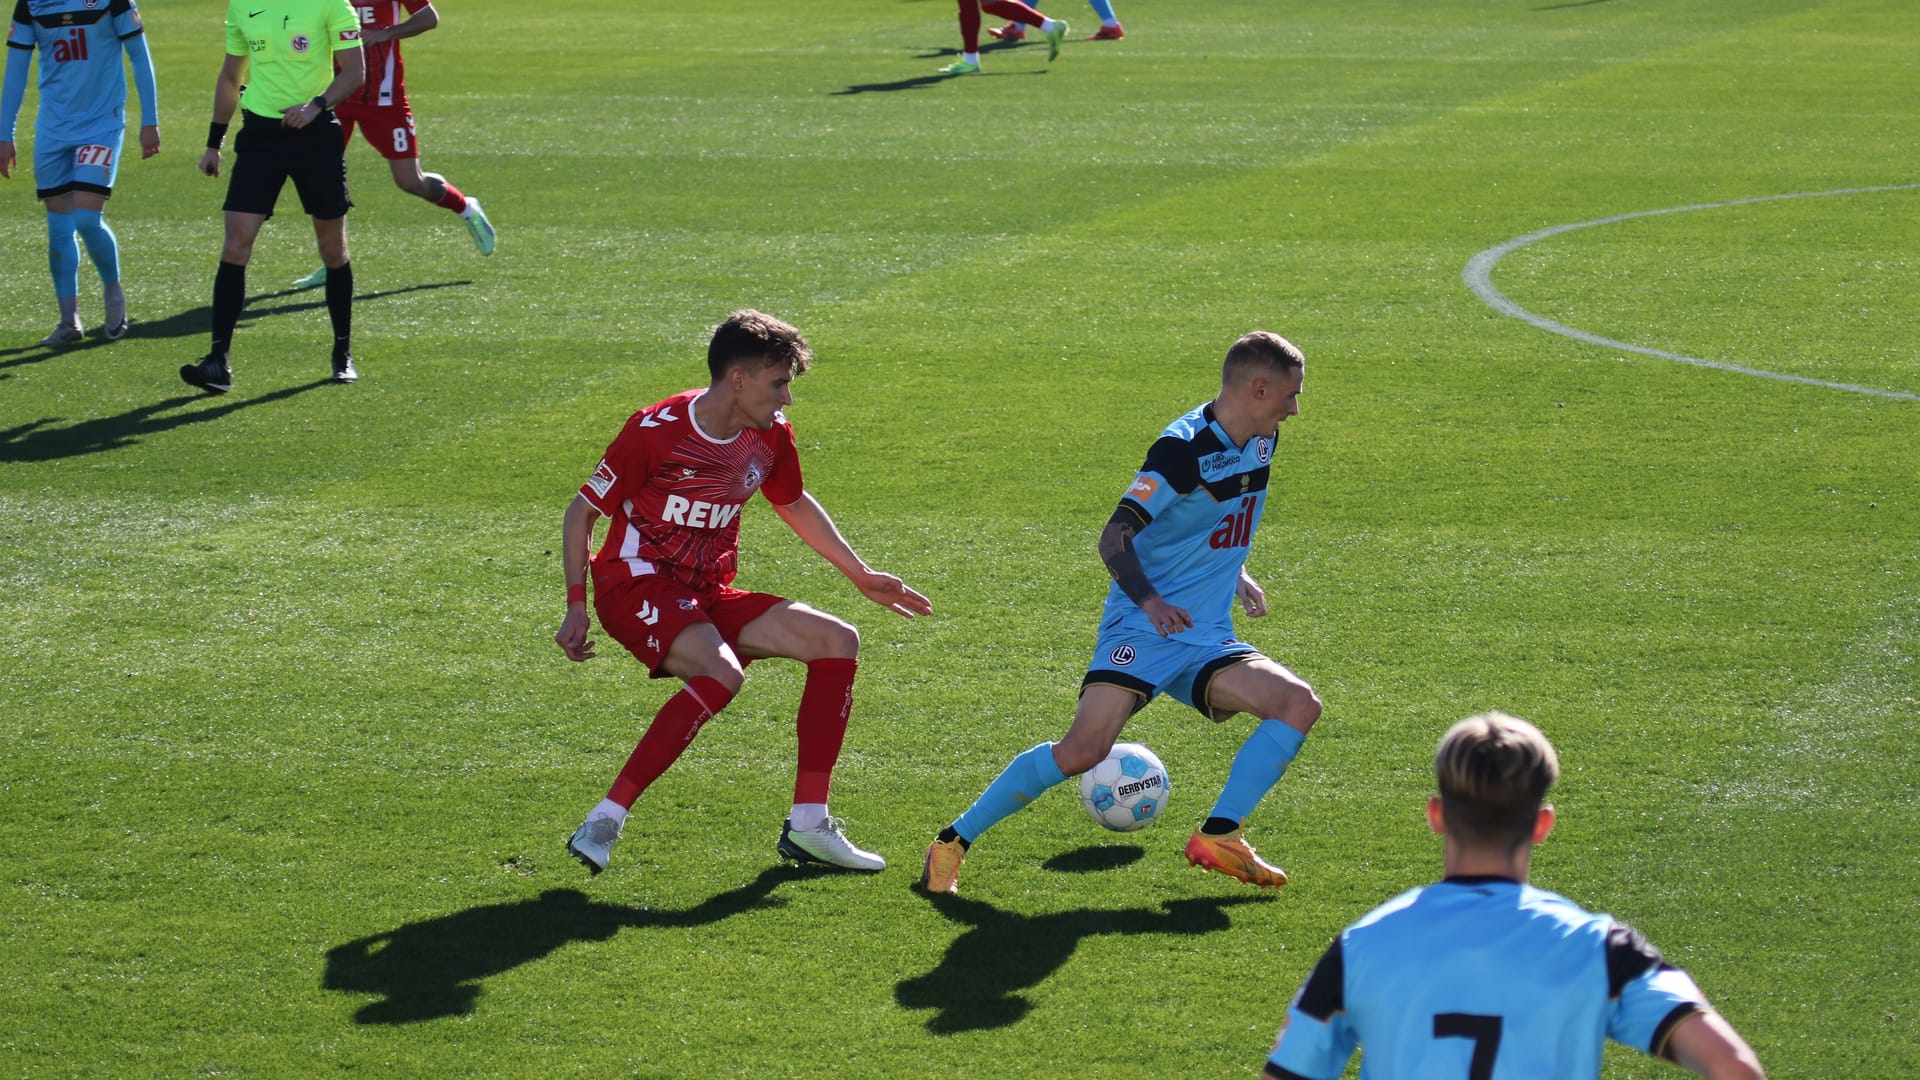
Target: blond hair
<point>1494,771</point>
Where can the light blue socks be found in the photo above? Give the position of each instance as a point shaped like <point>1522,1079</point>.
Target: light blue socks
<point>1024,779</point>
<point>102,246</point>
<point>1260,763</point>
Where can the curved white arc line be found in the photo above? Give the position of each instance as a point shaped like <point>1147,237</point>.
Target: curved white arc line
<point>1478,276</point>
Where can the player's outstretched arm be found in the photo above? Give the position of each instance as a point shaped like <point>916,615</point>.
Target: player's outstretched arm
<point>576,540</point>
<point>417,23</point>
<point>809,521</point>
<point>1705,1044</point>
<point>1123,562</point>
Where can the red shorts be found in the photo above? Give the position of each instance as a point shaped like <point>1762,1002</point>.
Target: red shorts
<point>647,613</point>
<point>389,128</point>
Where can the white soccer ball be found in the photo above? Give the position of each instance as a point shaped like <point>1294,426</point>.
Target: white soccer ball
<point>1128,790</point>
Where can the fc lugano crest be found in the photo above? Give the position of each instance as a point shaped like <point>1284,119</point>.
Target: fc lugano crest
<point>1122,656</point>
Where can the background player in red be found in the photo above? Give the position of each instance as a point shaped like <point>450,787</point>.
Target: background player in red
<point>1055,31</point>
<point>381,110</point>
<point>673,484</point>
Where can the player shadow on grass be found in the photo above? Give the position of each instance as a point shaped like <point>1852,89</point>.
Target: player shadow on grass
<point>38,441</point>
<point>433,968</point>
<point>918,81</point>
<point>977,984</point>
<point>197,322</point>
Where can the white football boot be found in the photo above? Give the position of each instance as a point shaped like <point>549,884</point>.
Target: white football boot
<point>826,844</point>
<point>592,842</point>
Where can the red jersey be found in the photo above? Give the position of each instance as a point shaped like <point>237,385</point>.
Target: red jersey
<point>673,494</point>
<point>386,72</point>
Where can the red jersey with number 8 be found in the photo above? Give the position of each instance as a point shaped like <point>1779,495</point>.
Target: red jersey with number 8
<point>673,494</point>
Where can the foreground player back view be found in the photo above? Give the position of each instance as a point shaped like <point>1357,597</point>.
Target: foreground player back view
<point>1408,983</point>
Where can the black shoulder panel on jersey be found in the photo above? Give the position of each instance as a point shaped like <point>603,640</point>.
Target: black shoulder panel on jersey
<point>1229,488</point>
<point>1325,991</point>
<point>64,19</point>
<point>1176,459</point>
<point>1664,1031</point>
<point>1629,956</point>
<point>119,7</point>
<point>21,15</point>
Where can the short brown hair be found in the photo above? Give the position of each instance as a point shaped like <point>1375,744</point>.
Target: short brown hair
<point>1494,771</point>
<point>756,339</point>
<point>1266,348</point>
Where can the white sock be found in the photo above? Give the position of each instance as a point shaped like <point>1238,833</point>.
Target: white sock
<point>1046,26</point>
<point>970,57</point>
<point>609,808</point>
<point>807,816</point>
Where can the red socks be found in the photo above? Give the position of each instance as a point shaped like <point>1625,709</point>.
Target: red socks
<point>970,25</point>
<point>824,706</point>
<point>673,728</point>
<point>452,200</point>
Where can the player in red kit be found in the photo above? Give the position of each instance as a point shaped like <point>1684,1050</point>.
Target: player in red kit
<point>672,485</point>
<point>381,111</point>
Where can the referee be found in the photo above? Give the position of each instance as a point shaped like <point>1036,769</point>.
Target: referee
<point>287,131</point>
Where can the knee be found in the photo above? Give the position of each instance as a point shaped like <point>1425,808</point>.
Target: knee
<point>237,252</point>
<point>1302,708</point>
<point>1077,756</point>
<point>839,640</point>
<point>725,670</point>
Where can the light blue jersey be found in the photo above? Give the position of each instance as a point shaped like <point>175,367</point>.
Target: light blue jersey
<point>1198,500</point>
<point>83,81</point>
<point>1480,979</point>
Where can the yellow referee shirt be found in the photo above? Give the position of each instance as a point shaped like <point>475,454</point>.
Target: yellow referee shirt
<point>289,45</point>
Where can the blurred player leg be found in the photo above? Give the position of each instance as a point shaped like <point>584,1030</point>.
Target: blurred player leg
<point>63,261</point>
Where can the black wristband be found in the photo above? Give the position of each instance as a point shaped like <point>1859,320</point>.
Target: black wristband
<point>319,102</point>
<point>216,135</point>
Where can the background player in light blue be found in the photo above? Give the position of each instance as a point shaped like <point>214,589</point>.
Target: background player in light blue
<point>1482,976</point>
<point>1177,549</point>
<point>77,139</point>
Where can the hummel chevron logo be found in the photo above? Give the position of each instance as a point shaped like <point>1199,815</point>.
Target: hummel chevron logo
<point>653,419</point>
<point>648,613</point>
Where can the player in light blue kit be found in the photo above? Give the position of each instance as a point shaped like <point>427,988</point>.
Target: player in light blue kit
<point>1484,977</point>
<point>77,139</point>
<point>1177,549</point>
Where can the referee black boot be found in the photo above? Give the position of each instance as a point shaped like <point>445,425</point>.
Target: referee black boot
<point>210,374</point>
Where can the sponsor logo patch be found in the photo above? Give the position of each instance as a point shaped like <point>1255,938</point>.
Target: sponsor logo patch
<point>352,34</point>
<point>1143,488</point>
<point>101,156</point>
<point>688,603</point>
<point>602,479</point>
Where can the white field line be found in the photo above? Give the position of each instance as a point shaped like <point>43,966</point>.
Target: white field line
<point>1478,275</point>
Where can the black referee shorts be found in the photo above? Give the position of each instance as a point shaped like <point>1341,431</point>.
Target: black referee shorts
<point>267,154</point>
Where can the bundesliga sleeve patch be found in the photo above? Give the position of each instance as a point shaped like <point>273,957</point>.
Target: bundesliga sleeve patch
<point>602,479</point>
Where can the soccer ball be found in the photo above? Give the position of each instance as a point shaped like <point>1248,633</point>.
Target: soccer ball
<point>1128,790</point>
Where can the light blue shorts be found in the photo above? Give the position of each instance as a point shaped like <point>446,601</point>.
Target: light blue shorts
<point>91,163</point>
<point>1147,664</point>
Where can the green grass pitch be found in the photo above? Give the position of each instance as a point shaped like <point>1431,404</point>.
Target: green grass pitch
<point>291,757</point>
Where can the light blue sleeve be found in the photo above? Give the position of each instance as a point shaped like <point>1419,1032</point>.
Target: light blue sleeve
<point>1649,1006</point>
<point>143,80</point>
<point>1313,1049</point>
<point>14,91</point>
